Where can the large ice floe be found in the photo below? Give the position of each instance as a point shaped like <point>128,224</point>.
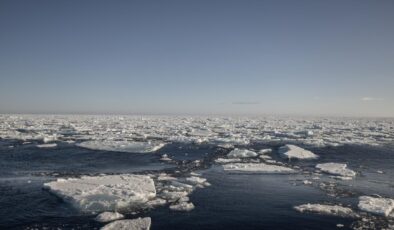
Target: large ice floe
<point>134,224</point>
<point>325,209</point>
<point>295,152</point>
<point>104,193</point>
<point>122,146</point>
<point>256,168</point>
<point>378,206</point>
<point>336,169</point>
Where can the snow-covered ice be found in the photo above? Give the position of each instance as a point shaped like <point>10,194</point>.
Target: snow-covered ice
<point>241,153</point>
<point>336,169</point>
<point>122,146</point>
<point>295,152</point>
<point>134,224</point>
<point>104,193</point>
<point>256,168</point>
<point>108,216</point>
<point>182,206</point>
<point>324,209</point>
<point>378,206</point>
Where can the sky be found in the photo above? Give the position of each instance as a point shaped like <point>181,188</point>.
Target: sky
<point>304,57</point>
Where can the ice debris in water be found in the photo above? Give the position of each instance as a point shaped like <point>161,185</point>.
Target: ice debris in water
<point>241,153</point>
<point>134,224</point>
<point>378,206</point>
<point>295,152</point>
<point>104,193</point>
<point>51,145</point>
<point>324,209</point>
<point>122,146</point>
<point>256,168</point>
<point>108,217</point>
<point>336,169</point>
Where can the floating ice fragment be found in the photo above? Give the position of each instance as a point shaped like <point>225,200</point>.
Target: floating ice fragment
<point>182,206</point>
<point>108,216</point>
<point>336,169</point>
<point>104,193</point>
<point>256,168</point>
<point>295,152</point>
<point>122,146</point>
<point>378,206</point>
<point>241,153</point>
<point>134,224</point>
<point>225,161</point>
<point>332,210</point>
<point>52,145</point>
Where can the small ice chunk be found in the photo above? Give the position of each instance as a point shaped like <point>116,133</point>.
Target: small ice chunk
<point>295,152</point>
<point>256,168</point>
<point>182,206</point>
<point>104,193</point>
<point>336,169</point>
<point>225,161</point>
<point>306,182</point>
<point>165,157</point>
<point>196,180</point>
<point>108,217</point>
<point>134,224</point>
<point>378,206</point>
<point>51,145</point>
<point>265,151</point>
<point>324,209</point>
<point>241,153</point>
<point>123,146</point>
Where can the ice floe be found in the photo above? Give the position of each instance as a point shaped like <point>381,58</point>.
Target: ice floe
<point>134,224</point>
<point>378,206</point>
<point>295,152</point>
<point>122,146</point>
<point>108,217</point>
<point>241,153</point>
<point>51,145</point>
<point>104,193</point>
<point>337,169</point>
<point>256,168</point>
<point>182,206</point>
<point>325,209</point>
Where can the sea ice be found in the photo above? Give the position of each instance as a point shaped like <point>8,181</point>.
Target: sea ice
<point>241,153</point>
<point>225,161</point>
<point>51,145</point>
<point>182,206</point>
<point>295,152</point>
<point>122,146</point>
<point>108,217</point>
<point>256,168</point>
<point>336,169</point>
<point>134,224</point>
<point>324,209</point>
<point>104,193</point>
<point>378,206</point>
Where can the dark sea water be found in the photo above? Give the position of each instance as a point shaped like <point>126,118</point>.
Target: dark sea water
<point>233,201</point>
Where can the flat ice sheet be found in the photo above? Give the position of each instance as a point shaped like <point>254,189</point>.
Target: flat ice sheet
<point>104,193</point>
<point>256,168</point>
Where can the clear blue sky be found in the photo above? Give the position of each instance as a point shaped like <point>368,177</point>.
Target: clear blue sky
<point>197,57</point>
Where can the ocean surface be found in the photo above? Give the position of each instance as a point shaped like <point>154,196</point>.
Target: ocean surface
<point>233,201</point>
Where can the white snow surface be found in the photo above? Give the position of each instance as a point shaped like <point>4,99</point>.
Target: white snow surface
<point>104,193</point>
<point>122,146</point>
<point>51,145</point>
<point>108,217</point>
<point>241,153</point>
<point>134,224</point>
<point>295,152</point>
<point>336,169</point>
<point>256,168</point>
<point>378,206</point>
<point>324,209</point>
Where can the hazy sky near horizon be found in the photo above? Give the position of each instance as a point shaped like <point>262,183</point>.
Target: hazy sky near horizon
<point>197,57</point>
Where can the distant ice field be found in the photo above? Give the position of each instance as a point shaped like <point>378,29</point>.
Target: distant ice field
<point>188,161</point>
